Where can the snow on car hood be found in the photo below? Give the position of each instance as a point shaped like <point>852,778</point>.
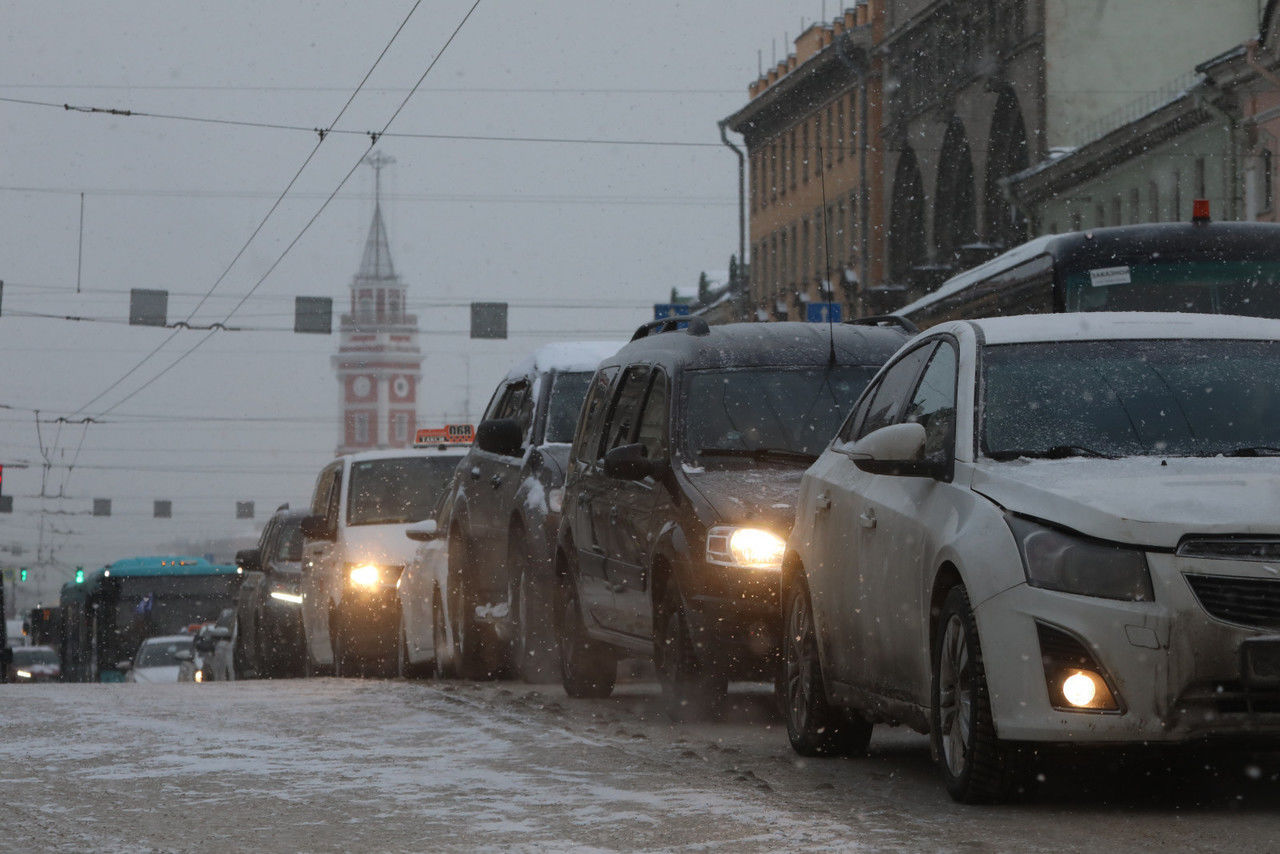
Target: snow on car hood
<point>167,673</point>
<point>1140,500</point>
<point>765,493</point>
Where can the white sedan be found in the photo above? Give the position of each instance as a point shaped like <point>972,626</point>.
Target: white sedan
<point>168,658</point>
<point>1050,529</point>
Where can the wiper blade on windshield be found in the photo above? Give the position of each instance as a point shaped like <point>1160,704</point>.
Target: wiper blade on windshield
<point>1252,451</point>
<point>758,453</point>
<point>1057,452</point>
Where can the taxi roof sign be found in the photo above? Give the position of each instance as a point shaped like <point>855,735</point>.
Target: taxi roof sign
<point>450,434</point>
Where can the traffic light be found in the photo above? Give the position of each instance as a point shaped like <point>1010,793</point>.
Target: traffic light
<point>22,574</point>
<point>6,501</point>
<point>79,575</point>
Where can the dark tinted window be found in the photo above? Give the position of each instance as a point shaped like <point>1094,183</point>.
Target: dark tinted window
<point>1214,286</point>
<point>655,417</point>
<point>1166,398</point>
<point>587,439</point>
<point>397,489</point>
<point>567,393</point>
<point>289,541</point>
<point>934,403</point>
<point>783,409</point>
<point>895,385</point>
<point>620,428</point>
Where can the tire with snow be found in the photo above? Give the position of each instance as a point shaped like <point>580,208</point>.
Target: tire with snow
<point>977,766</point>
<point>694,687</point>
<point>476,648</point>
<point>587,669</point>
<point>813,726</point>
<point>441,644</point>
<point>534,646</point>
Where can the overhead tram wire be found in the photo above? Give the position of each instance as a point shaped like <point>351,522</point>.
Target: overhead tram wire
<point>373,141</point>
<point>262,223</point>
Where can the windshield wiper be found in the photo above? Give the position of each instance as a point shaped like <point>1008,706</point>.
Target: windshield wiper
<point>758,453</point>
<point>1057,452</point>
<point>1253,451</point>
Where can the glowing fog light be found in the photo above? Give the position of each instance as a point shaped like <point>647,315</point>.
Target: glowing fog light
<point>364,576</point>
<point>24,674</point>
<point>1080,689</point>
<point>753,548</point>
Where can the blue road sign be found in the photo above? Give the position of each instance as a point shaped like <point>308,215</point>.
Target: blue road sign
<point>664,310</point>
<point>824,312</point>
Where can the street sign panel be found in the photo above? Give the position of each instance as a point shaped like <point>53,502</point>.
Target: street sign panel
<point>488,320</point>
<point>163,510</point>
<point>313,314</point>
<point>102,506</point>
<point>824,312</point>
<point>663,310</point>
<point>148,308</point>
<point>244,509</point>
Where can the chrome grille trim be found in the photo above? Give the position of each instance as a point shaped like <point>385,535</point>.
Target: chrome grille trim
<point>1259,549</point>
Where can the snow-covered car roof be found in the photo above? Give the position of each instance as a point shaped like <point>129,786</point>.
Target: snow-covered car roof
<point>564,356</point>
<point>1098,325</point>
<point>397,453</point>
<point>168,639</point>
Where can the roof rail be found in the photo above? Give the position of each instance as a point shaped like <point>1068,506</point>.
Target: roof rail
<point>885,320</point>
<point>692,325</point>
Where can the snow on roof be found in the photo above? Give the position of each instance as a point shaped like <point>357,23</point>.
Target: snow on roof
<point>959,282</point>
<point>565,356</point>
<point>1137,325</point>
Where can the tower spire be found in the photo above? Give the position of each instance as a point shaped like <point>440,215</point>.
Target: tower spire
<point>376,261</point>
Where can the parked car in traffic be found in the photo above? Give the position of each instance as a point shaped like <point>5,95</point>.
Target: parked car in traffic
<point>1041,530</point>
<point>215,645</point>
<point>681,488</point>
<point>269,637</point>
<point>167,658</point>
<point>504,511</point>
<point>355,549</point>
<point>34,664</point>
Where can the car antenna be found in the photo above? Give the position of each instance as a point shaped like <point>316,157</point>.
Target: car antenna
<point>826,251</point>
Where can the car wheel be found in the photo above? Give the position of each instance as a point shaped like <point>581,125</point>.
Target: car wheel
<point>693,688</point>
<point>813,726</point>
<point>977,767</point>
<point>587,669</point>
<point>476,648</point>
<point>346,664</point>
<point>440,642</point>
<point>406,669</point>
<point>534,646</point>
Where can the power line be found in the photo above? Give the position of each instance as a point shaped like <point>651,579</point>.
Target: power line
<point>519,90</point>
<point>261,224</point>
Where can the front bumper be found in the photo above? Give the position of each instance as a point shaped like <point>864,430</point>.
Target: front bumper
<point>735,614</point>
<point>1176,670</point>
<point>369,619</point>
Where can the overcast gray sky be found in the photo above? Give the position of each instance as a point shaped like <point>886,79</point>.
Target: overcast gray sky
<point>580,239</point>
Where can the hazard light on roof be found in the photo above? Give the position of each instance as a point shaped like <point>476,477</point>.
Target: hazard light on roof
<point>1200,210</point>
<point>450,434</point>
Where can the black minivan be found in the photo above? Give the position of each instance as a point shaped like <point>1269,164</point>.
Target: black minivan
<point>680,493</point>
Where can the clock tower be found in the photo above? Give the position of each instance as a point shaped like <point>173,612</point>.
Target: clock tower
<point>379,362</point>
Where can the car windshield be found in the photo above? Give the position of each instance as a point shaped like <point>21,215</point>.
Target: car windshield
<point>289,546</point>
<point>567,393</point>
<point>163,654</point>
<point>33,655</point>
<point>1123,398</point>
<point>397,489</point>
<point>781,412</point>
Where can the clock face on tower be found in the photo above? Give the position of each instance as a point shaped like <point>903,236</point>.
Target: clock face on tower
<point>400,387</point>
<point>361,387</point>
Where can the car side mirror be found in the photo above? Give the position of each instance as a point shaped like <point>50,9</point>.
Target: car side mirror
<point>501,436</point>
<point>317,528</point>
<point>630,462</point>
<point>423,531</point>
<point>250,560</point>
<point>897,449</point>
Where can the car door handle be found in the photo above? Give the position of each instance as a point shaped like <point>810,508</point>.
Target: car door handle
<point>868,518</point>
<point>822,501</point>
<point>495,481</point>
<point>475,472</point>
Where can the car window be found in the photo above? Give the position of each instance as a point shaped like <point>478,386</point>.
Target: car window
<point>655,418</point>
<point>567,393</point>
<point>620,428</point>
<point>586,443</point>
<point>855,418</point>
<point>933,405</point>
<point>396,490</point>
<point>288,544</point>
<point>514,401</point>
<point>895,385</point>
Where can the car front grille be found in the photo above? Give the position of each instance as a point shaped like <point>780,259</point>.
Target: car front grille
<point>1248,601</point>
<point>1231,548</point>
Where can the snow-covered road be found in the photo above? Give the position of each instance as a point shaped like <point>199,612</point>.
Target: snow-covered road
<point>328,764</point>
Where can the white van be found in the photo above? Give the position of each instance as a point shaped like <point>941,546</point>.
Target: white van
<point>355,550</point>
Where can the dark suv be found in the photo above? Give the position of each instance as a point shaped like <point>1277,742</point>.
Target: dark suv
<point>505,508</point>
<point>682,482</point>
<point>269,640</point>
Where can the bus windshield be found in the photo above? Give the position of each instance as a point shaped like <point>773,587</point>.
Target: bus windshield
<point>1205,287</point>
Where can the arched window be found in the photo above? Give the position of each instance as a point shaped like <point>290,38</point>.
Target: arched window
<point>1006,155</point>
<point>906,219</point>
<point>954,215</point>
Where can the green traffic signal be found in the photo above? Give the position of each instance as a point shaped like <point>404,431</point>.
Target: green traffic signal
<point>22,574</point>
<point>79,575</point>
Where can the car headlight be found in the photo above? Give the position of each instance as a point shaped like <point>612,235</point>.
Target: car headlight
<point>1056,560</point>
<point>284,594</point>
<point>24,674</point>
<point>752,548</point>
<point>364,575</point>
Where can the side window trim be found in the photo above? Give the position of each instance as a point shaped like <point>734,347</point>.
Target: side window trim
<point>614,402</point>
